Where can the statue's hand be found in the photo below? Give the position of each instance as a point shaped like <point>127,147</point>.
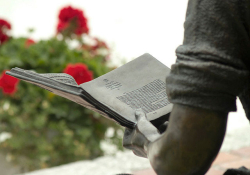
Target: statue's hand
<point>139,138</point>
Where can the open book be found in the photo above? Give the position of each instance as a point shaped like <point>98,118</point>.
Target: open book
<point>115,95</point>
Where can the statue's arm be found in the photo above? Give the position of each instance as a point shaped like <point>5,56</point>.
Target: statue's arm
<point>191,142</point>
<point>188,146</point>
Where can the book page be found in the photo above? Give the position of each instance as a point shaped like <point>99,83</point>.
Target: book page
<point>61,77</point>
<point>60,84</point>
<point>139,84</point>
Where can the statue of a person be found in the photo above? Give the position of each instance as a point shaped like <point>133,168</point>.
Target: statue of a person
<point>211,70</point>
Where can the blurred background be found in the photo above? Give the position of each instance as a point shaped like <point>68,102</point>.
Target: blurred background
<point>131,28</point>
<point>94,37</point>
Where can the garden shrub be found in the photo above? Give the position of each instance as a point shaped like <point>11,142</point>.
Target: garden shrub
<point>48,130</point>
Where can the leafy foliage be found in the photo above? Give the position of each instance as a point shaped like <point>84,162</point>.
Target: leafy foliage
<point>46,129</point>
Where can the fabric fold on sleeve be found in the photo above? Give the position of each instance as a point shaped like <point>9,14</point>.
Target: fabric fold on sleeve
<point>205,84</point>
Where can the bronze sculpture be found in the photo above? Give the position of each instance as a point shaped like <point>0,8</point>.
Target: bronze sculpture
<point>211,70</point>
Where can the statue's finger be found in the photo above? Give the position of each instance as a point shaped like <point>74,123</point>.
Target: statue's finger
<point>127,138</point>
<point>139,152</point>
<point>135,142</point>
<point>162,128</point>
<point>139,114</point>
<point>146,127</point>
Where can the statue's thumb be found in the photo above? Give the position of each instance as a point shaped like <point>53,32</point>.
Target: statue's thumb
<point>139,114</point>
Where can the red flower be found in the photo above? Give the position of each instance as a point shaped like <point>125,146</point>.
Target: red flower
<point>79,72</point>
<point>3,38</point>
<point>8,83</point>
<point>61,26</point>
<point>67,13</point>
<point>4,23</point>
<point>4,26</point>
<point>72,19</point>
<point>29,42</point>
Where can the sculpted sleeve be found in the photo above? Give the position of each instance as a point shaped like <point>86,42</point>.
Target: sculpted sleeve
<point>212,64</point>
